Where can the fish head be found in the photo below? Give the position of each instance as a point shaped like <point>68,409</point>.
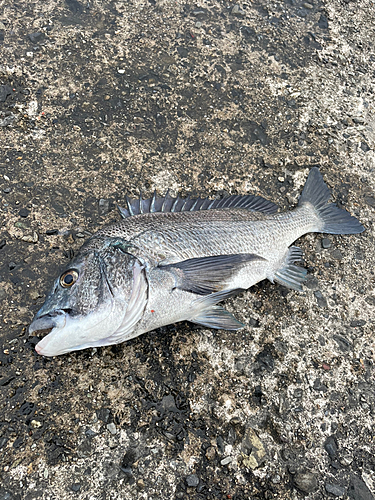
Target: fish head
<point>96,301</point>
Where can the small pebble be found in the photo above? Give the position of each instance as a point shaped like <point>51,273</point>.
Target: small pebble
<point>336,254</point>
<point>192,481</point>
<point>34,294</point>
<point>75,487</point>
<point>24,212</point>
<point>346,460</point>
<point>103,206</point>
<point>5,90</point>
<point>236,11</point>
<point>210,453</point>
<point>331,446</point>
<point>226,461</point>
<point>306,481</point>
<point>31,238</point>
<point>335,489</point>
<point>36,37</point>
<point>50,232</point>
<point>359,490</point>
<point>370,200</point>
<point>365,147</point>
<point>357,323</point>
<point>112,428</point>
<point>103,414</point>
<point>140,484</point>
<point>326,243</point>
<point>320,299</point>
<point>90,433</point>
<point>198,24</point>
<point>307,5</point>
<point>358,120</point>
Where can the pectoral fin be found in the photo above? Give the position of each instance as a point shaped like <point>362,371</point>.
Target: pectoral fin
<point>213,316</point>
<point>208,274</point>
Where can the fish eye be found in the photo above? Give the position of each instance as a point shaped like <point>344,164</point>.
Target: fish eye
<point>68,278</point>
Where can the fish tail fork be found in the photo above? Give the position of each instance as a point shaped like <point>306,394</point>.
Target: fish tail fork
<point>331,219</point>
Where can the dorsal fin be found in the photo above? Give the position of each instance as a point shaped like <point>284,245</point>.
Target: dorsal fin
<point>169,204</point>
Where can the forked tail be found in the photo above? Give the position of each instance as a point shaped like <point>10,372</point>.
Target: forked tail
<point>333,220</point>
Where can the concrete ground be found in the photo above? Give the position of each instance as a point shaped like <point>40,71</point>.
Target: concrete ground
<point>102,98</point>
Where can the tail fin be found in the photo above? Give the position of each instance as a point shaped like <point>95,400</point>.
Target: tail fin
<point>333,219</point>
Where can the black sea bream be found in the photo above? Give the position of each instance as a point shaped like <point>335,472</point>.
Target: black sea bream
<point>173,259</point>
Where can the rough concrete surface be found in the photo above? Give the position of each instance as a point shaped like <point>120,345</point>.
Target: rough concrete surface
<point>102,98</point>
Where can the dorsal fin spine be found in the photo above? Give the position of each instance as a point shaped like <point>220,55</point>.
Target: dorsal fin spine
<point>243,203</point>
<point>130,208</point>
<point>192,208</point>
<point>165,201</point>
<point>175,203</point>
<point>187,199</point>
<point>169,204</point>
<point>153,200</point>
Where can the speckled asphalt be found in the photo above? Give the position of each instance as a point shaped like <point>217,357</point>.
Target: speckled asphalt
<point>102,98</point>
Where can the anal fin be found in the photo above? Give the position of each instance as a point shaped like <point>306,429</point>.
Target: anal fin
<point>213,316</point>
<point>289,274</point>
<point>217,317</point>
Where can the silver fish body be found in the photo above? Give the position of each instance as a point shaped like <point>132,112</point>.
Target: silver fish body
<point>171,260</point>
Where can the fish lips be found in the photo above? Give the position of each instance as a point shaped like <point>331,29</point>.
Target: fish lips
<point>73,332</point>
<point>52,322</point>
<point>53,344</point>
<point>48,321</point>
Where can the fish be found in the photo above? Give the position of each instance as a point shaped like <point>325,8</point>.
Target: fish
<point>175,259</point>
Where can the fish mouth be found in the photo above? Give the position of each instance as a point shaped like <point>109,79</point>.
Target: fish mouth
<point>71,331</point>
<point>47,322</point>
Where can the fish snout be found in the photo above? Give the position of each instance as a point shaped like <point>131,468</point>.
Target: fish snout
<point>38,349</point>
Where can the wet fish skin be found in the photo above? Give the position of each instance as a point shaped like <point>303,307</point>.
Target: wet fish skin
<point>159,266</point>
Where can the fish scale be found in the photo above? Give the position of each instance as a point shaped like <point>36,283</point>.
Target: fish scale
<point>175,259</point>
<point>176,236</point>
